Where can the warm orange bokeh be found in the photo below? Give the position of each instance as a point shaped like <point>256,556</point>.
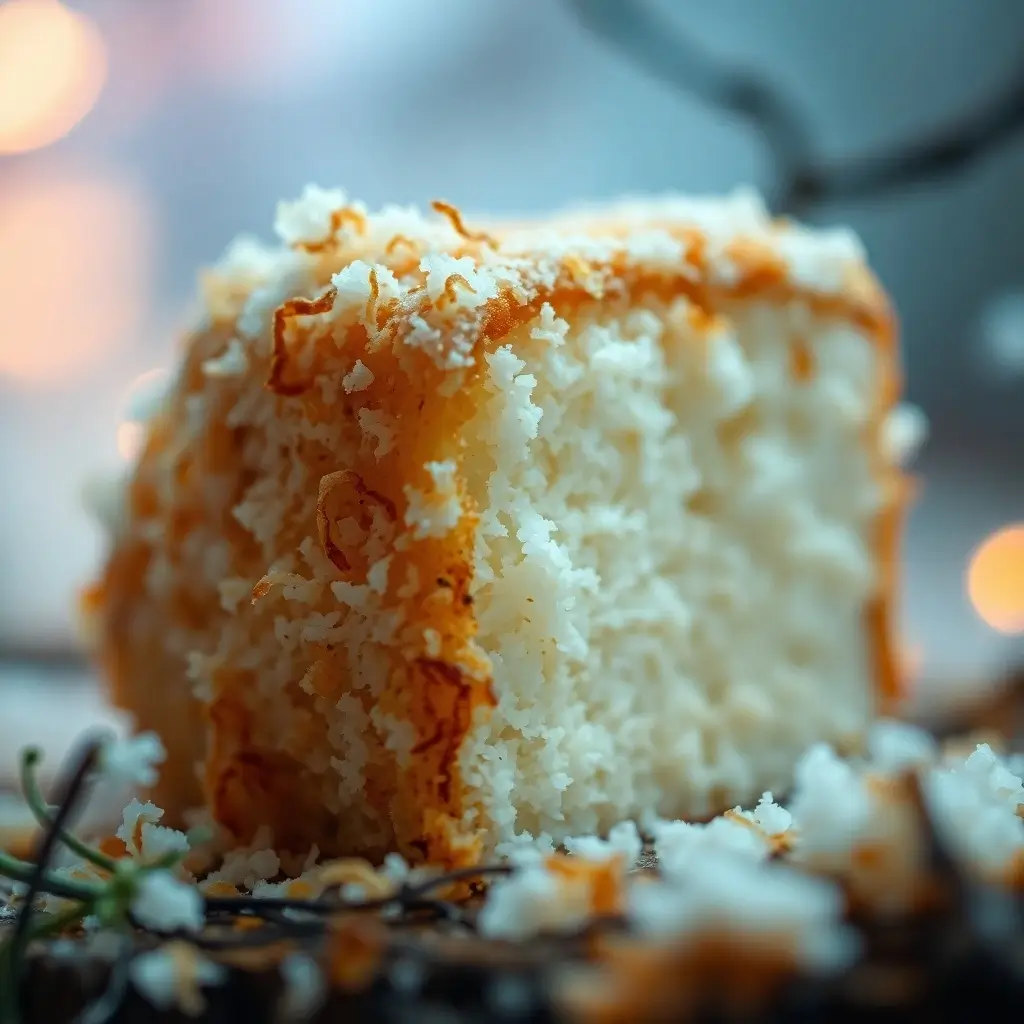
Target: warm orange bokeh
<point>52,67</point>
<point>75,254</point>
<point>995,579</point>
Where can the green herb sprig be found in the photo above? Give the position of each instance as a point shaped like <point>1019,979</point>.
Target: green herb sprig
<point>108,898</point>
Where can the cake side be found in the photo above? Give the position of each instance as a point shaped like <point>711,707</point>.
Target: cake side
<point>300,562</point>
<point>675,550</point>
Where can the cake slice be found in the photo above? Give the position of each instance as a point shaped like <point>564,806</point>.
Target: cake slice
<point>448,536</point>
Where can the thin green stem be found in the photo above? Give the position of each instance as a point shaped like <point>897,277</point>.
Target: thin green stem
<point>68,888</point>
<point>12,952</point>
<point>57,923</point>
<point>14,868</point>
<point>30,758</point>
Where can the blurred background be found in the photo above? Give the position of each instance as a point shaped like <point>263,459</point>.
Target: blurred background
<point>138,136</point>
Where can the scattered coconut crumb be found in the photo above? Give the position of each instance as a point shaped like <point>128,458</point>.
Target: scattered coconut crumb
<point>712,877</point>
<point>304,987</point>
<point>752,901</point>
<point>681,846</point>
<point>172,977</point>
<point>830,806</point>
<point>248,865</point>
<point>165,904</point>
<point>904,433</point>
<point>556,894</point>
<point>133,761</point>
<point>894,746</point>
<point>435,513</point>
<point>232,362</point>
<point>623,841</point>
<point>359,378</point>
<point>976,807</point>
<point>143,838</point>
<point>308,218</point>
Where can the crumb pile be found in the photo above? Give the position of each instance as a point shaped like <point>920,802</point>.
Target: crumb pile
<point>764,894</point>
<point>444,539</point>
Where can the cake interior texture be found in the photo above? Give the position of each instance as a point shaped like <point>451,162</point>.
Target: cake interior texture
<point>443,541</point>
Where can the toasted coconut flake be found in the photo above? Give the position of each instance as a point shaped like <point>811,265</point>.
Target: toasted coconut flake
<point>347,215</point>
<point>355,949</point>
<point>355,871</point>
<point>344,495</point>
<point>449,294</point>
<point>454,215</point>
<point>277,381</point>
<point>802,363</point>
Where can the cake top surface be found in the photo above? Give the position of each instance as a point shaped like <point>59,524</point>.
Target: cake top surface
<point>416,275</point>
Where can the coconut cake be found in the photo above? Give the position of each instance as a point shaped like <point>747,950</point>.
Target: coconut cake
<point>448,536</point>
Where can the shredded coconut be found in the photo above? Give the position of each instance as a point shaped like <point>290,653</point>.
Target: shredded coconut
<point>830,806</point>
<point>232,362</point>
<point>623,840</point>
<point>681,846</point>
<point>163,903</point>
<point>247,866</point>
<point>381,427</point>
<point>532,901</point>
<point>904,432</point>
<point>976,809</point>
<point>359,378</point>
<point>143,838</point>
<point>308,218</point>
<point>435,513</point>
<point>133,760</point>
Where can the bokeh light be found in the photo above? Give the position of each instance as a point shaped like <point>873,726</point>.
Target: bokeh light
<point>1002,335</point>
<point>995,579</point>
<point>52,68</point>
<point>75,257</point>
